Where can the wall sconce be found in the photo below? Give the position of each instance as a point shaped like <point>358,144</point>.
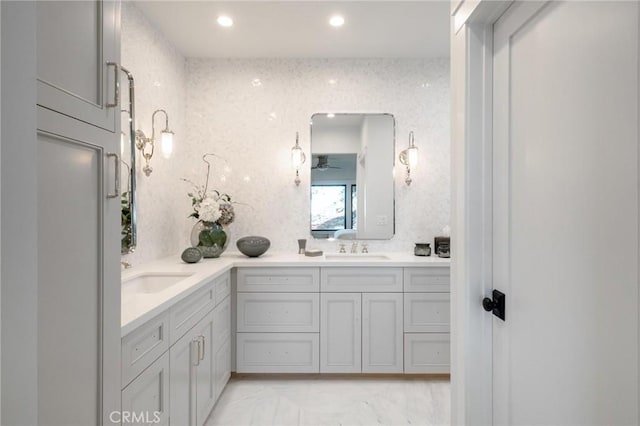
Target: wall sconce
<point>147,145</point>
<point>297,159</point>
<point>409,158</point>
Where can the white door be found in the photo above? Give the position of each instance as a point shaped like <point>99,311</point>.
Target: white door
<point>340,333</point>
<point>566,213</point>
<point>382,334</point>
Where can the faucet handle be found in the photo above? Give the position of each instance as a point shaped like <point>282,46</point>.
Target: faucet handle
<point>365,248</point>
<point>342,250</point>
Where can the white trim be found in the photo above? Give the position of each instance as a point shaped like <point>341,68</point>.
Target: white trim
<point>471,345</point>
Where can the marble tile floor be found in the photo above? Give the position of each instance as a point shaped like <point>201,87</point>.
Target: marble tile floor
<point>321,401</point>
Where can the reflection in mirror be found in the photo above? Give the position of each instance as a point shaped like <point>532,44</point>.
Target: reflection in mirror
<point>352,187</point>
<point>128,218</point>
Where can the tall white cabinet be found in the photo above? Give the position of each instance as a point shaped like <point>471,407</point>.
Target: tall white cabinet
<point>78,213</point>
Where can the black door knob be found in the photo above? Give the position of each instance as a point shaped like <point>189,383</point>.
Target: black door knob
<point>496,304</point>
<point>488,304</point>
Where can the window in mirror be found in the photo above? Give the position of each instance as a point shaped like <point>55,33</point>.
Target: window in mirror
<point>328,208</point>
<point>354,152</point>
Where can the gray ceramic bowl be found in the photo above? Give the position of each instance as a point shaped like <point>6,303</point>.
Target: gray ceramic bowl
<point>253,246</point>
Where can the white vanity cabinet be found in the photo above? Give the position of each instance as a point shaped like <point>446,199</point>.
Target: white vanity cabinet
<point>278,320</point>
<point>365,326</point>
<point>146,399</point>
<point>426,320</point>
<point>180,360</point>
<point>371,320</point>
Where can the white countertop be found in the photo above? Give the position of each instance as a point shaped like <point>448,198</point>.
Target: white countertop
<point>139,308</point>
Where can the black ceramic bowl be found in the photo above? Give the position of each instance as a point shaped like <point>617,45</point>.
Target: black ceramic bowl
<point>253,246</point>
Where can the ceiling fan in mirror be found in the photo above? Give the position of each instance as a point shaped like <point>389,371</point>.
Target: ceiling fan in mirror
<point>323,163</point>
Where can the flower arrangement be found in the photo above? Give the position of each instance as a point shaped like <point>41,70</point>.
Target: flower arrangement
<point>210,206</point>
<point>213,210</point>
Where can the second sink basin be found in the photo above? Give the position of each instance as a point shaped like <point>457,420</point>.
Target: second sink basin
<point>355,256</point>
<point>153,282</point>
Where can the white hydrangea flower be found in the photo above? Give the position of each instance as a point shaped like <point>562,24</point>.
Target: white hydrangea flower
<point>209,210</point>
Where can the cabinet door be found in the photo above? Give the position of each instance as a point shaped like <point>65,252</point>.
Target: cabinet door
<point>223,367</point>
<point>382,333</point>
<point>205,370</point>
<point>340,333</point>
<point>184,357</point>
<point>78,273</point>
<point>76,41</point>
<point>146,399</point>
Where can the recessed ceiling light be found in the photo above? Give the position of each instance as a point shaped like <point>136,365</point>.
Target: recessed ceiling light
<point>333,81</point>
<point>225,21</point>
<point>256,82</point>
<point>336,21</point>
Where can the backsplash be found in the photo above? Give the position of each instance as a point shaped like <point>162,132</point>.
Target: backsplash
<point>248,111</point>
<point>160,80</point>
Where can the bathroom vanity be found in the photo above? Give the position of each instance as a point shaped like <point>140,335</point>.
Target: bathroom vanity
<point>186,327</point>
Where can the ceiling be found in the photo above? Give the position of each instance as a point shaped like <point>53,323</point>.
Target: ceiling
<point>300,29</point>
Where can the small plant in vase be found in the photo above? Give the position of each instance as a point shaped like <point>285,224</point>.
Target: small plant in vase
<point>214,211</point>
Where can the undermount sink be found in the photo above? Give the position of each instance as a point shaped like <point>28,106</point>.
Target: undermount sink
<point>153,282</point>
<point>355,256</point>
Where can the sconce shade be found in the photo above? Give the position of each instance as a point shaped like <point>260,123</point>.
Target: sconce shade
<point>297,155</point>
<point>297,159</point>
<point>167,143</point>
<point>409,158</point>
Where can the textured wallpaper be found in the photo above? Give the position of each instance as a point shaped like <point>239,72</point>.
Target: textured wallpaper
<point>247,112</point>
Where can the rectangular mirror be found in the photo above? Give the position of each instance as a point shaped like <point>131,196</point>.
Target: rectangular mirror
<point>352,186</point>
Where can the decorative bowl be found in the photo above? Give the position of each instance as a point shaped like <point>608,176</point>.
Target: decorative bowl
<point>253,246</point>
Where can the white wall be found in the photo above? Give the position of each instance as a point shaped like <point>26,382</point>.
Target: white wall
<point>160,79</point>
<point>253,127</point>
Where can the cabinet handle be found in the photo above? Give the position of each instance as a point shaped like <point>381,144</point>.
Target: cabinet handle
<point>200,345</point>
<point>195,351</point>
<point>116,100</point>
<point>116,192</point>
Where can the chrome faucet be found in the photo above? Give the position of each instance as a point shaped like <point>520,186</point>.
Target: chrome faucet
<point>342,250</point>
<point>364,248</point>
<point>354,246</point>
<point>125,264</point>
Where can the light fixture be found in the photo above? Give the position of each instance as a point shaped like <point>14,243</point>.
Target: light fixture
<point>225,21</point>
<point>146,145</point>
<point>336,21</point>
<point>297,159</point>
<point>409,158</point>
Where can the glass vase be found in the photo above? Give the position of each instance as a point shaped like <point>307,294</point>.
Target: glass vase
<point>210,238</point>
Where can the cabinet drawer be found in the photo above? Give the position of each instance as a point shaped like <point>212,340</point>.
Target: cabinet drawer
<point>299,280</point>
<point>278,353</point>
<point>427,312</point>
<point>143,346</point>
<point>278,312</point>
<point>222,286</point>
<point>369,280</point>
<point>222,323</point>
<point>427,280</point>
<point>148,394</point>
<point>426,353</point>
<point>189,311</point>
